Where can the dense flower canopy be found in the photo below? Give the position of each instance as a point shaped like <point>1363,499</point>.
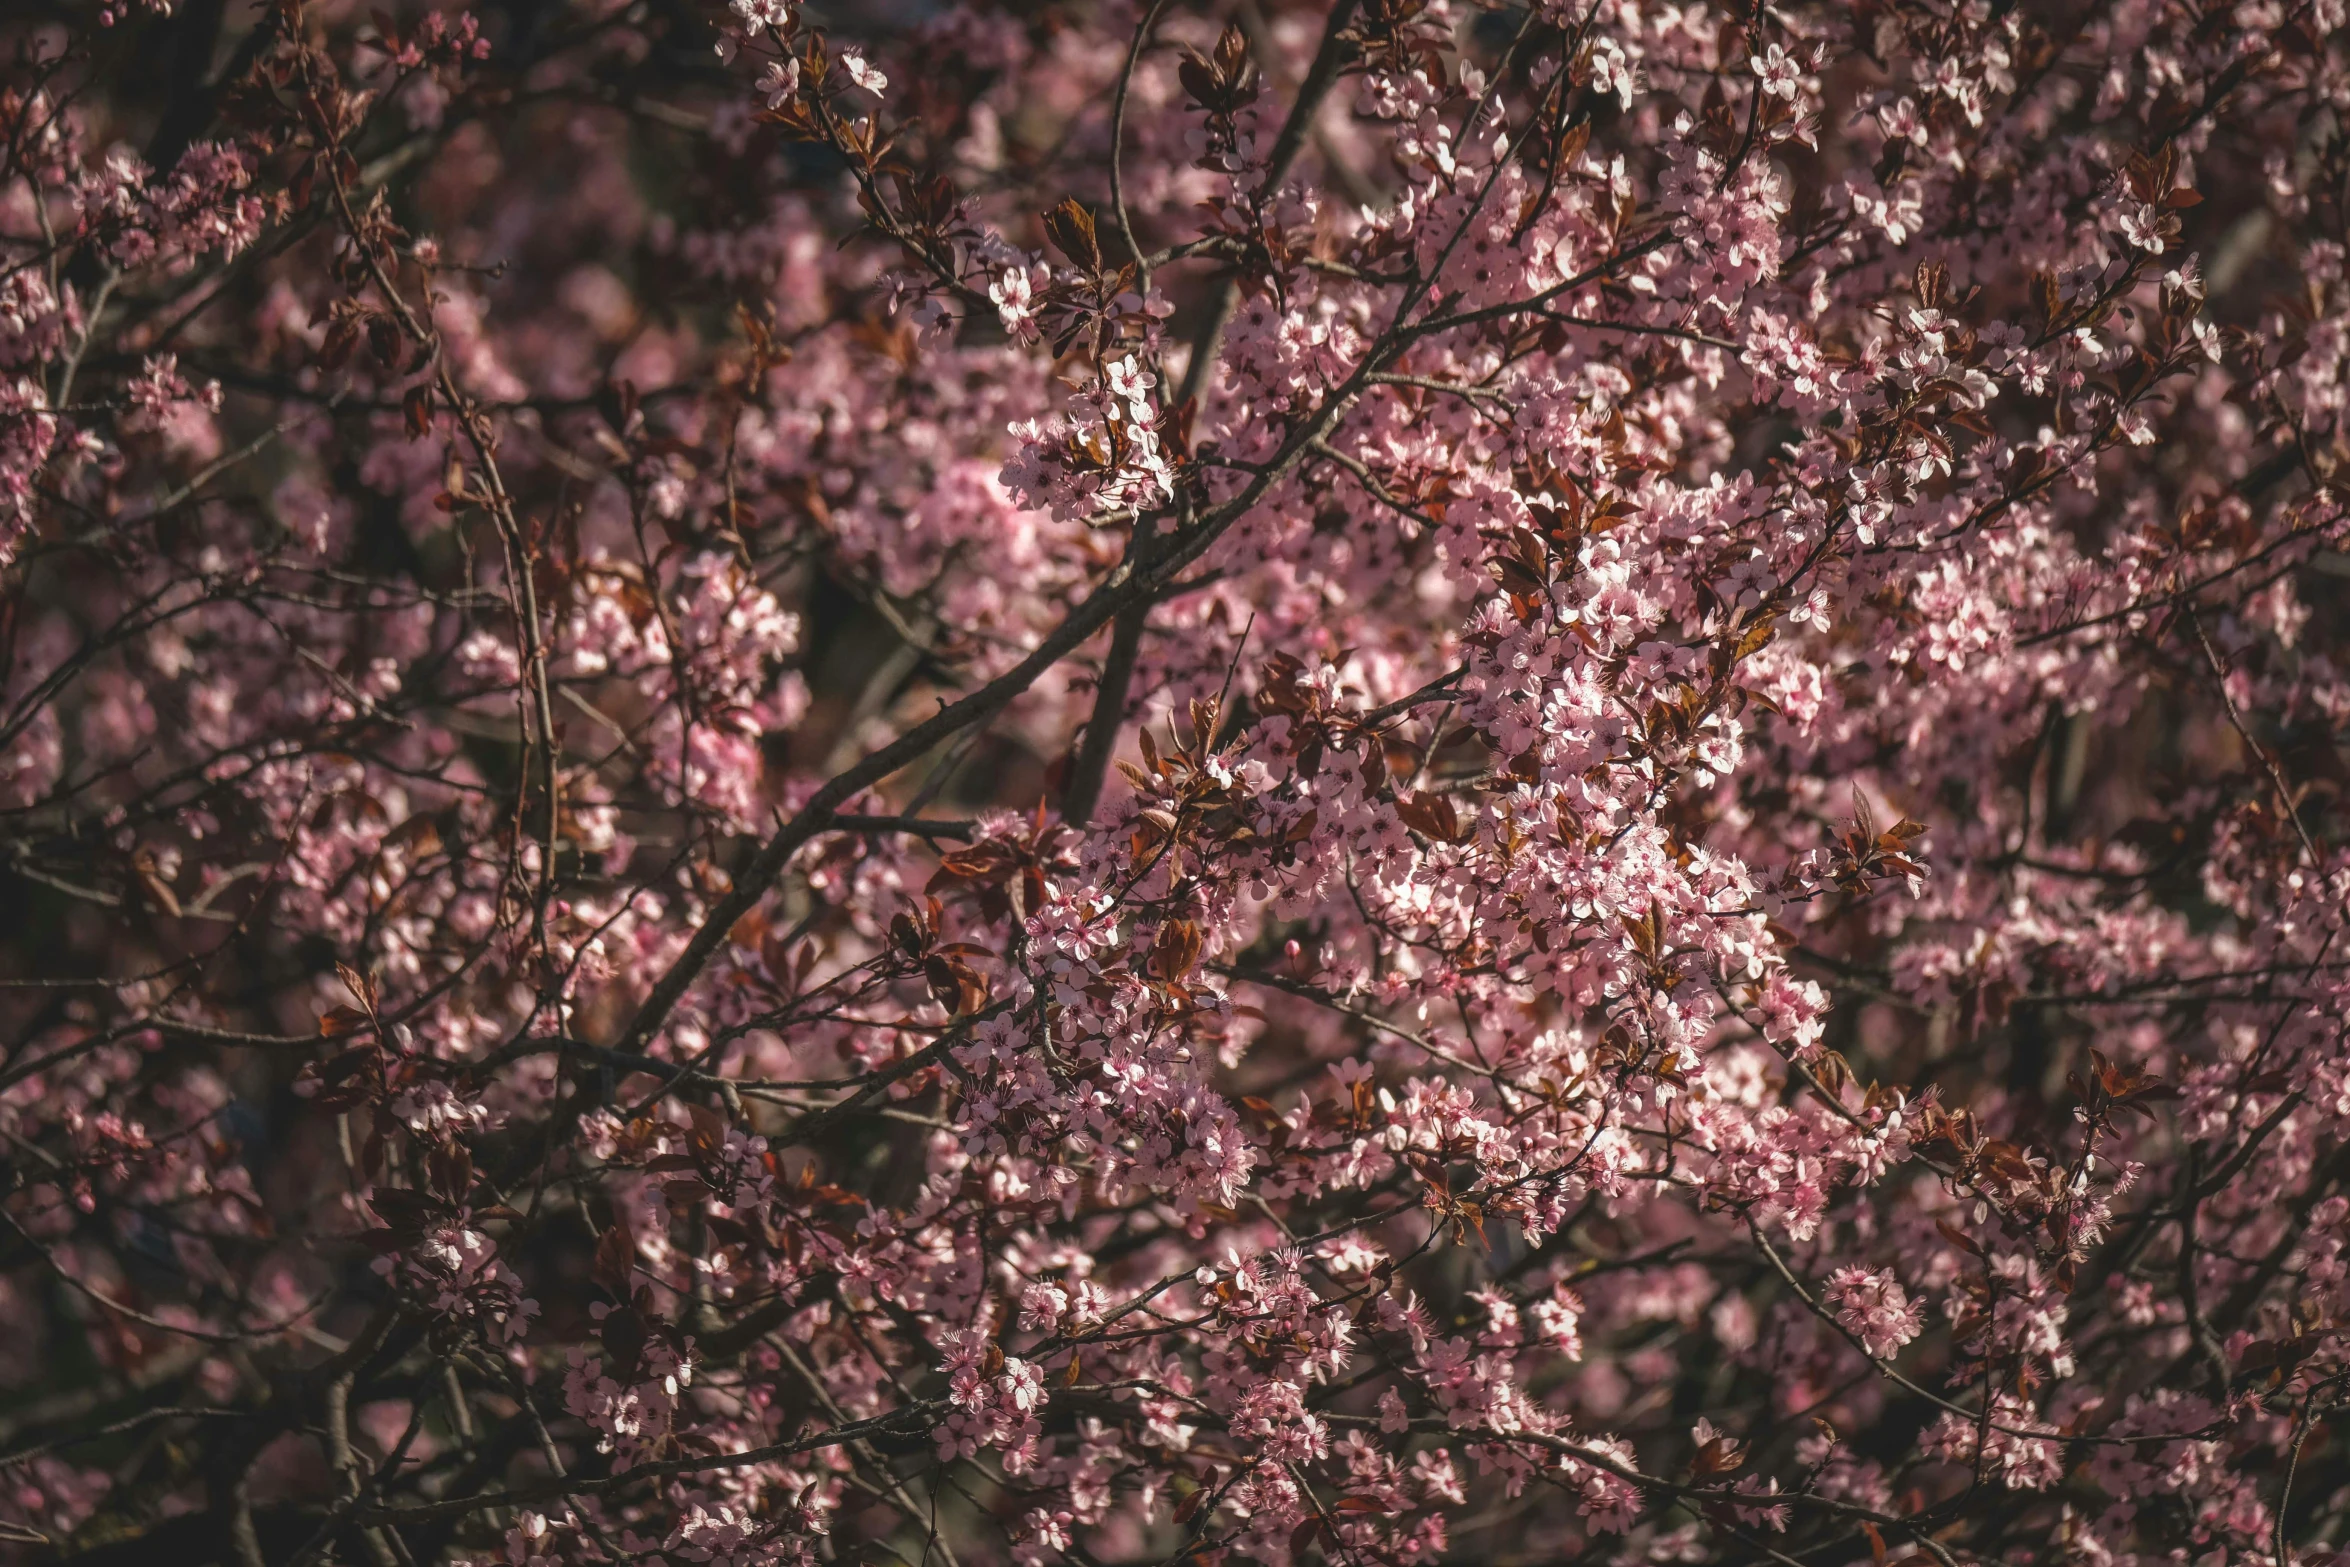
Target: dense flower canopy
<point>1215,781</point>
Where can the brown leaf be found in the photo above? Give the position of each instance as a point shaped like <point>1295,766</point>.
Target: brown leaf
<point>1718,1456</point>
<point>1430,815</point>
<point>157,888</point>
<point>1958,1237</point>
<point>958,987</point>
<point>1571,145</point>
<point>910,937</point>
<point>361,986</point>
<point>1933,280</point>
<point>709,1130</point>
<point>416,411</point>
<point>341,1021</point>
<point>1070,227</point>
<point>1175,951</point>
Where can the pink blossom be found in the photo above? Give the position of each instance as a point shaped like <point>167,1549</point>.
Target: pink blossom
<point>1301,787</point>
<point>1873,1307</point>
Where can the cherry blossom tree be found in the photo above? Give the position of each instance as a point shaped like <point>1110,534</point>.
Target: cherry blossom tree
<point>1190,782</point>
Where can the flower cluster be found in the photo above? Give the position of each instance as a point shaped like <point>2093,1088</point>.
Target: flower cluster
<point>1296,782</point>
